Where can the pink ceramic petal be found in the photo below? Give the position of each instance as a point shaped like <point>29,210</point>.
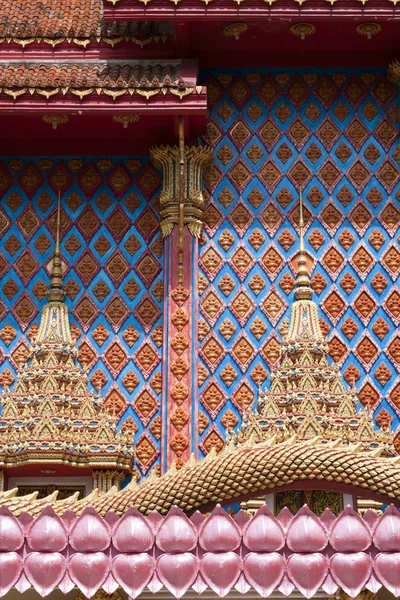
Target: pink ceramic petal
<point>373,585</point>
<point>370,518</point>
<point>66,585</point>
<point>327,519</point>
<point>387,569</point>
<point>199,585</point>
<point>219,532</point>
<point>263,533</point>
<point>241,518</point>
<point>132,533</point>
<point>133,572</point>
<point>264,571</point>
<point>351,571</point>
<point>285,517</point>
<point>90,533</point>
<point>11,534</point>
<point>286,587</point>
<point>220,571</point>
<point>197,519</point>
<point>22,584</point>
<point>47,533</point>
<point>89,571</point>
<point>329,586</point>
<point>176,533</point>
<point>10,570</point>
<point>386,533</point>
<point>241,585</point>
<point>155,584</point>
<point>306,533</point>
<point>307,571</point>
<point>177,572</point>
<point>45,570</point>
<point>349,533</point>
<point>110,585</point>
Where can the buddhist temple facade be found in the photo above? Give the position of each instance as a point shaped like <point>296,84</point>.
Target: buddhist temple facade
<point>199,298</point>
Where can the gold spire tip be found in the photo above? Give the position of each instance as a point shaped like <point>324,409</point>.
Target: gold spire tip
<point>56,292</point>
<point>303,289</point>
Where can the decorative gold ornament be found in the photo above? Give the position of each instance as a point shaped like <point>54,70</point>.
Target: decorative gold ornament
<point>303,290</point>
<point>125,120</point>
<point>234,30</point>
<point>394,71</point>
<point>55,120</point>
<point>302,30</point>
<point>50,415</point>
<point>181,199</point>
<point>368,29</point>
<point>307,397</point>
<point>167,158</point>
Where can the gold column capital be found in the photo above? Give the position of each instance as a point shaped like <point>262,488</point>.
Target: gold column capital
<point>167,159</point>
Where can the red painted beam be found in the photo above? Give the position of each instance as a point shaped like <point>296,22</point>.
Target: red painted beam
<point>124,51</point>
<point>250,10</point>
<point>192,104</point>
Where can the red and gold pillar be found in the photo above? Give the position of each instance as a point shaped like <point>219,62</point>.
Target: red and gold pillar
<point>181,224</point>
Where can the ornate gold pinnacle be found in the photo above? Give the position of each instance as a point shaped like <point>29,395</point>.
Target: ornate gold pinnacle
<point>56,292</point>
<point>303,290</point>
<point>307,398</point>
<point>50,415</point>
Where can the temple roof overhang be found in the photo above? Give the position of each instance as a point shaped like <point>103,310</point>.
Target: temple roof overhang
<point>80,21</point>
<point>110,78</point>
<point>251,10</point>
<point>101,96</point>
<point>30,18</point>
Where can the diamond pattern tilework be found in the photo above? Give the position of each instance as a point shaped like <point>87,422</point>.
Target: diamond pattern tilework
<point>331,133</point>
<point>109,229</point>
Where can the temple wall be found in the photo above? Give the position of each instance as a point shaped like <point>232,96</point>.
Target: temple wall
<point>113,276</point>
<point>334,134</point>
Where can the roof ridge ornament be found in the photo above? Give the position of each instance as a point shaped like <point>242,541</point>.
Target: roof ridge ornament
<point>56,292</point>
<point>303,289</point>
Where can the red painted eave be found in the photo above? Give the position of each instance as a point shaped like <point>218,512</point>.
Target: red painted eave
<point>192,104</point>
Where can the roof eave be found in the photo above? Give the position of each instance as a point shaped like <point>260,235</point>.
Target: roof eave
<point>160,10</point>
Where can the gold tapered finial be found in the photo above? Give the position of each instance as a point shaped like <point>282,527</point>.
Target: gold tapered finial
<point>56,292</point>
<point>303,289</point>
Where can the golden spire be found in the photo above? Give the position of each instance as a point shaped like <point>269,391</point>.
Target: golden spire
<point>303,289</point>
<point>56,292</point>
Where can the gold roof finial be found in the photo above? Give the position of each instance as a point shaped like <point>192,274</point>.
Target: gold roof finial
<point>56,292</point>
<point>303,289</point>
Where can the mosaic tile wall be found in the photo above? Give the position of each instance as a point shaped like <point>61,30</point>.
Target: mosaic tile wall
<point>112,251</point>
<point>334,134</point>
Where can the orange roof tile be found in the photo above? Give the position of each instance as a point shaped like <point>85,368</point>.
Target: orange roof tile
<point>101,74</point>
<point>25,19</point>
<point>45,18</point>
